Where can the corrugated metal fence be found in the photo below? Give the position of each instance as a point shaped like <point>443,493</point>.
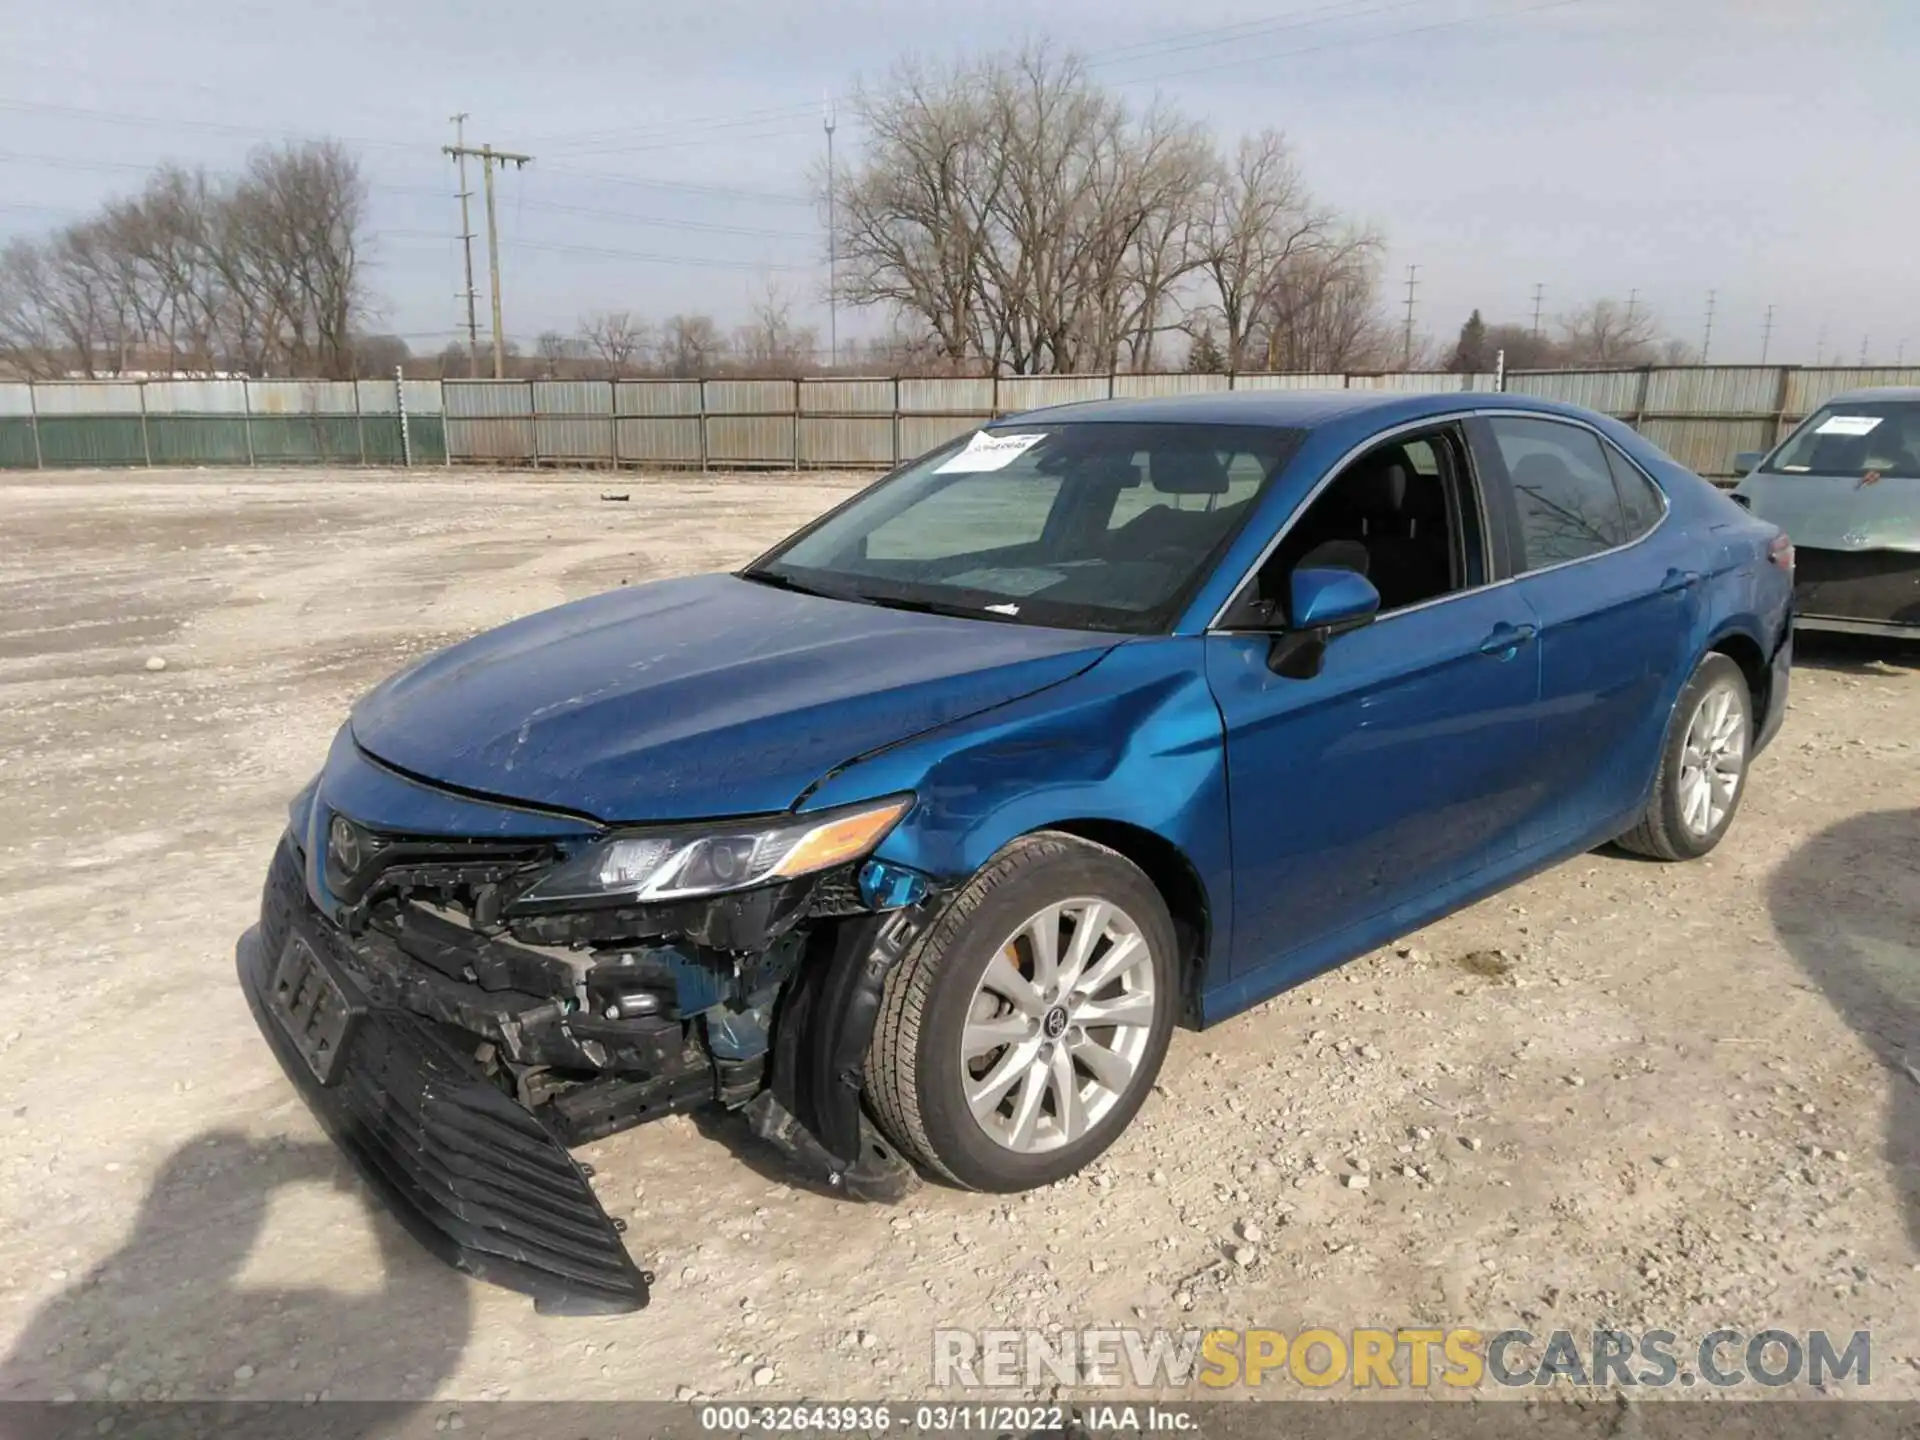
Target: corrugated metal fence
<point>1702,415</point>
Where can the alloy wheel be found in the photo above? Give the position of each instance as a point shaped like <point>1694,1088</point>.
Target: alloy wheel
<point>1058,1025</point>
<point>1713,760</point>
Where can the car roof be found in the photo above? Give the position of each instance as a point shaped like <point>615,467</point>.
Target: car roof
<point>1910,393</point>
<point>1288,409</point>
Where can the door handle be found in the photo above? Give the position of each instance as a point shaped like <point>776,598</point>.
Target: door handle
<point>1506,640</point>
<point>1678,580</point>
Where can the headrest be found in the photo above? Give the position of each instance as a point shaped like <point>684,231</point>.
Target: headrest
<point>1187,471</point>
<point>1381,488</point>
<point>1426,497</point>
<point>1542,470</point>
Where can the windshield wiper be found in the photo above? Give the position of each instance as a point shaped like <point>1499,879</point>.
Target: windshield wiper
<point>936,607</point>
<point>787,582</point>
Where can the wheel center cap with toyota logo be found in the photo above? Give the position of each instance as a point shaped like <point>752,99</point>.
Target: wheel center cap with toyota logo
<point>1055,1023</point>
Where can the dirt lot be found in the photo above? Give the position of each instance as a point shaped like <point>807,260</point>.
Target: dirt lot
<point>1632,1094</point>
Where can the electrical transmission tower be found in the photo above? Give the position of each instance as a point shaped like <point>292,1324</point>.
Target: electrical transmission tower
<point>489,158</point>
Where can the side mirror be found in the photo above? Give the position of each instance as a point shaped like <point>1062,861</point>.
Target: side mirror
<point>1748,461</point>
<point>1323,604</point>
<point>1334,598</point>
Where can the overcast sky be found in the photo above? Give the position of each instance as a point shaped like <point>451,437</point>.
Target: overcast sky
<point>1764,149</point>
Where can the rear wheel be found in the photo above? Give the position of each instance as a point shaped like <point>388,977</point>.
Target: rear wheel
<point>1021,1035</point>
<point>1703,767</point>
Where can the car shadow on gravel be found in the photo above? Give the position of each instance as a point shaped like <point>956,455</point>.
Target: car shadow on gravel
<point>1846,904</point>
<point>1854,654</point>
<point>169,1314</point>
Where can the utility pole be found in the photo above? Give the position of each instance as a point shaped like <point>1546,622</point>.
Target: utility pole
<point>1539,293</point>
<point>1820,348</point>
<point>833,254</point>
<point>1766,335</point>
<point>1863,350</point>
<point>1406,356</point>
<point>1633,304</point>
<point>1900,355</point>
<point>1706,340</point>
<point>466,242</point>
<point>488,158</point>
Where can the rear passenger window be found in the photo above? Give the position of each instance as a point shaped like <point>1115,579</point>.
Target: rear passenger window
<point>1638,498</point>
<point>1563,486</point>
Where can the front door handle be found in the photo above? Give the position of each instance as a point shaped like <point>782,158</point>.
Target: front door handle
<point>1505,640</point>
<point>1678,580</point>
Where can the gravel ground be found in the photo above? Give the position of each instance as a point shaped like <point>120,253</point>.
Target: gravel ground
<point>1624,1093</point>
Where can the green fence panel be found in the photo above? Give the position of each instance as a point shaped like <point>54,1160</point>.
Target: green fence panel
<point>91,440</point>
<point>197,439</point>
<point>306,439</point>
<point>429,436</point>
<point>16,444</point>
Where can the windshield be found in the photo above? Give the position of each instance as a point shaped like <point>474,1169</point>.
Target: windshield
<point>1088,525</point>
<point>1855,438</point>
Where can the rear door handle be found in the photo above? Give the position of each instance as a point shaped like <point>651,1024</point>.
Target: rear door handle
<point>1506,640</point>
<point>1678,580</point>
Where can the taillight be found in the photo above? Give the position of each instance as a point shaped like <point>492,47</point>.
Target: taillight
<point>1780,552</point>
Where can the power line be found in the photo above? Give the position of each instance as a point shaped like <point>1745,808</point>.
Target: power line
<point>1243,31</point>
<point>118,117</point>
<point>560,248</point>
<point>779,133</point>
<point>1350,40</point>
<point>725,192</point>
<point>701,122</point>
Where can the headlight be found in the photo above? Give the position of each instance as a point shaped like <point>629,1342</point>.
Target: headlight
<point>676,864</point>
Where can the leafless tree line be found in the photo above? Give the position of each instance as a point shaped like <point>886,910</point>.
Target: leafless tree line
<point>260,273</point>
<point>612,343</point>
<point>1011,213</point>
<point>1602,334</point>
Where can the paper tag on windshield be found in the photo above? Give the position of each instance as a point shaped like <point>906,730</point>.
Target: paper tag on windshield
<point>1848,425</point>
<point>989,452</point>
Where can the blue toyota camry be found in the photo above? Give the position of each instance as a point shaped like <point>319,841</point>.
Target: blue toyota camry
<point>915,838</point>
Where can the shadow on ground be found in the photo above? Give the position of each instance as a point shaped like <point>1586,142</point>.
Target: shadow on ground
<point>1854,654</point>
<point>167,1315</point>
<point>1847,906</point>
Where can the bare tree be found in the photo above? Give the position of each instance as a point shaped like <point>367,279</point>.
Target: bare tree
<point>1322,311</point>
<point>616,338</point>
<point>690,346</point>
<point>770,343</point>
<point>263,272</point>
<point>1608,333</point>
<point>1258,224</point>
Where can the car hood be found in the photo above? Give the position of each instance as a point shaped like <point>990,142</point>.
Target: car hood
<point>1838,512</point>
<point>706,696</point>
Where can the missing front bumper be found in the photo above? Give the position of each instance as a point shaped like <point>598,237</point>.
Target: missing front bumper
<point>475,1163</point>
<point>474,1176</point>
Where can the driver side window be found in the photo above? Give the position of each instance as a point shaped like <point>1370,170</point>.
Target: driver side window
<point>1400,514</point>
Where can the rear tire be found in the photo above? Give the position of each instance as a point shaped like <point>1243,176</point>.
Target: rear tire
<point>1703,766</point>
<point>950,1034</point>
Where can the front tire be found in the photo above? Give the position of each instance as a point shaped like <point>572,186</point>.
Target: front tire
<point>1021,1035</point>
<point>1703,766</point>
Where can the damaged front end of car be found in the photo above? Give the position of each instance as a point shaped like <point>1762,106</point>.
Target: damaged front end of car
<point>463,989</point>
